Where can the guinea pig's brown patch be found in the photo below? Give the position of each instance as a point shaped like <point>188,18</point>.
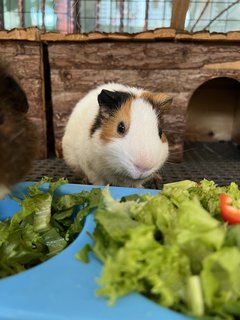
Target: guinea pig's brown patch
<point>163,138</point>
<point>109,128</point>
<point>157,100</point>
<point>160,102</point>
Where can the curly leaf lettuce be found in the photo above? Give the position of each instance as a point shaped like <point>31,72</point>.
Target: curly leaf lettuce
<point>147,267</point>
<point>172,247</point>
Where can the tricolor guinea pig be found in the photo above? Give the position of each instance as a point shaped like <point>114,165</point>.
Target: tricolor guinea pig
<point>114,135</point>
<point>18,137</point>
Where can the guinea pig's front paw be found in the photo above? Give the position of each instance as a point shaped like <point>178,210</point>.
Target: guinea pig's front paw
<point>139,186</point>
<point>157,176</point>
<point>155,182</point>
<point>84,180</point>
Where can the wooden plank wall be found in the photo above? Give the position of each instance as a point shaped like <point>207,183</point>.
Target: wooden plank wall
<point>24,59</point>
<point>177,68</point>
<point>174,68</point>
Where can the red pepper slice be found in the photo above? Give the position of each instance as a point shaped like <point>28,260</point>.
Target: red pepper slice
<point>229,213</point>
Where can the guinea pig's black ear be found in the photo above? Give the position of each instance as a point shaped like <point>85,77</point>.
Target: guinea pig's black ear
<point>112,99</point>
<point>12,94</point>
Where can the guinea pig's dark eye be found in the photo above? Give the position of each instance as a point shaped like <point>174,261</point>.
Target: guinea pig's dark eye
<point>121,128</point>
<point>160,132</point>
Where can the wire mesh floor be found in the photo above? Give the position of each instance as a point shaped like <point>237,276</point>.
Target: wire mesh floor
<point>214,161</point>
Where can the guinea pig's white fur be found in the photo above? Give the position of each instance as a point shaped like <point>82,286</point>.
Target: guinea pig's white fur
<point>105,156</point>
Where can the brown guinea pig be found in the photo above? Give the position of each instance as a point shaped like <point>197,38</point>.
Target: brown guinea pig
<point>18,136</point>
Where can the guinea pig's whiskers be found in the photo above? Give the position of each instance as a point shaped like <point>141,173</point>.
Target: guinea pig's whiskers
<point>171,162</point>
<point>184,151</point>
<point>173,130</point>
<point>17,134</point>
<point>13,158</point>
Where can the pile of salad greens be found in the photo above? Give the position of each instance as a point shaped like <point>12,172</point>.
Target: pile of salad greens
<point>173,247</point>
<point>179,248</point>
<point>44,226</point>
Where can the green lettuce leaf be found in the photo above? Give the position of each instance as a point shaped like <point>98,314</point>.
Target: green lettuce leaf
<point>44,226</point>
<point>220,279</point>
<point>146,266</point>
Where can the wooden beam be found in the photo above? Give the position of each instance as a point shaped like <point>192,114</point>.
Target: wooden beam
<point>21,13</point>
<point>146,16</point>
<point>76,16</point>
<point>70,17</point>
<point>121,15</point>
<point>97,10</point>
<point>179,11</point>
<point>43,27</point>
<point>35,34</point>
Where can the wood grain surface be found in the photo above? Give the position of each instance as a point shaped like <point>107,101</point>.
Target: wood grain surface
<point>174,68</point>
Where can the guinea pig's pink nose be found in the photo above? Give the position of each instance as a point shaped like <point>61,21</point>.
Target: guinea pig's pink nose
<point>143,165</point>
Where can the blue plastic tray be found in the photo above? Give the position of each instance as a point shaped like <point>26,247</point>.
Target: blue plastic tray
<point>63,288</point>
